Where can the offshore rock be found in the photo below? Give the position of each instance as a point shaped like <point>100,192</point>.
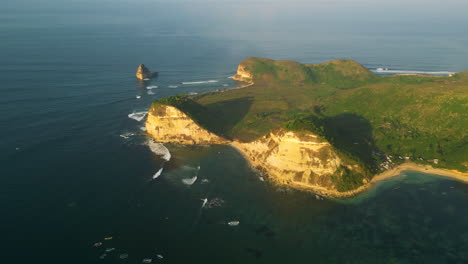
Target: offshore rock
<point>144,73</point>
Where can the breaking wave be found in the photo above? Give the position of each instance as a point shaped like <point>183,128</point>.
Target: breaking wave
<point>201,82</point>
<point>152,87</point>
<point>159,149</point>
<point>157,174</point>
<point>172,86</point>
<point>388,71</point>
<point>138,116</point>
<point>150,92</point>
<point>190,181</point>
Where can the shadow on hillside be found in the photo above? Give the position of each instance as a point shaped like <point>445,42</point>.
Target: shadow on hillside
<point>352,134</point>
<point>226,114</point>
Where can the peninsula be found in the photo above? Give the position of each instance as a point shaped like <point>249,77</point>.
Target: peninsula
<point>328,127</point>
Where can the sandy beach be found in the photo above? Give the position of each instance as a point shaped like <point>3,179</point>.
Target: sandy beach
<point>395,172</point>
<point>410,166</point>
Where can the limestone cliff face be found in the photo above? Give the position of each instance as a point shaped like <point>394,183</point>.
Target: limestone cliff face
<point>243,75</point>
<point>143,72</point>
<point>301,160</point>
<point>290,158</point>
<point>169,124</point>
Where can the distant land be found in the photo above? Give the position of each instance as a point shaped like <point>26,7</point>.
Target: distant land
<point>328,127</point>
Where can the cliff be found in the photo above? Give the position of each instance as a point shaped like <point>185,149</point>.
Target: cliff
<point>243,74</point>
<point>289,158</point>
<point>169,124</point>
<point>144,73</point>
<point>301,160</point>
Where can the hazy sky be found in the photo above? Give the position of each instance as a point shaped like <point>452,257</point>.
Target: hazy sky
<point>448,13</point>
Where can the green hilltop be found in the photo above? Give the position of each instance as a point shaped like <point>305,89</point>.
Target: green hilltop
<point>366,117</point>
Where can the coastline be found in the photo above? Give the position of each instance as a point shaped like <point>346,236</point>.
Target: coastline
<point>411,166</point>
<point>388,174</point>
<point>280,176</point>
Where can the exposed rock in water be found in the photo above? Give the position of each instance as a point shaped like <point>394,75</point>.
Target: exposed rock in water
<point>144,73</point>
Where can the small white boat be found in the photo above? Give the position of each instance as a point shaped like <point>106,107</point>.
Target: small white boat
<point>233,223</point>
<point>127,135</point>
<point>97,244</point>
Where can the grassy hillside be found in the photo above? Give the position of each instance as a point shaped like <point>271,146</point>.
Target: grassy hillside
<point>363,115</point>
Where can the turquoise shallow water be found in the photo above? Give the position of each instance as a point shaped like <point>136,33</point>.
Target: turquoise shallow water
<point>69,179</point>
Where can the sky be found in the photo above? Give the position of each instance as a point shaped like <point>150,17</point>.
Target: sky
<point>443,15</point>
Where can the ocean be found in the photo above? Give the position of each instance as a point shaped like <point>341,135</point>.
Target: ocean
<point>76,169</point>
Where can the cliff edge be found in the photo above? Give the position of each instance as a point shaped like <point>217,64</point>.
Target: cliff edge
<point>300,160</point>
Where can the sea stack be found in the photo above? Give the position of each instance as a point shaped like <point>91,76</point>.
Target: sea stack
<point>143,73</point>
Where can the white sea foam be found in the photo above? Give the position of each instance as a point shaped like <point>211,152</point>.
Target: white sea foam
<point>138,96</point>
<point>205,200</point>
<point>157,174</point>
<point>193,93</point>
<point>201,82</point>
<point>150,92</point>
<point>138,116</point>
<point>143,128</point>
<point>127,135</point>
<point>146,79</point>
<point>159,149</point>
<point>387,71</point>
<point>152,87</point>
<point>172,86</point>
<point>190,181</point>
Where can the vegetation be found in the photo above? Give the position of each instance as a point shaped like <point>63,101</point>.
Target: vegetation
<point>364,116</point>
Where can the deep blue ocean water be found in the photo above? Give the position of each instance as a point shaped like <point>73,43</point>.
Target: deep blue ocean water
<point>69,179</point>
